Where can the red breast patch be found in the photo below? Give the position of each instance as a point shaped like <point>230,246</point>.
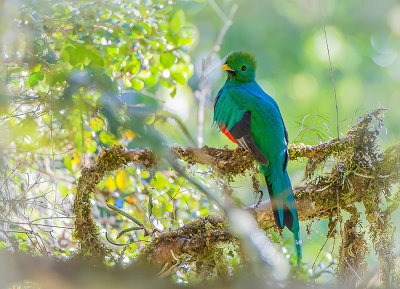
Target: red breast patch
<point>227,133</point>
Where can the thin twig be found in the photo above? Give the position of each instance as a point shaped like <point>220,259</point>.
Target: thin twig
<point>166,114</point>
<point>53,173</point>
<point>323,246</point>
<point>330,65</point>
<point>355,273</point>
<point>204,89</point>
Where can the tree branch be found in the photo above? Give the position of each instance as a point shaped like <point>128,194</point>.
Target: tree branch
<point>359,172</point>
<point>50,273</point>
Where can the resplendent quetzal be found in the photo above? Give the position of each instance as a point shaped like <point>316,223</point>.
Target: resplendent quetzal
<point>251,118</point>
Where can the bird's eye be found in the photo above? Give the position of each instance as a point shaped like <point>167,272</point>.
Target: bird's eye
<point>244,68</point>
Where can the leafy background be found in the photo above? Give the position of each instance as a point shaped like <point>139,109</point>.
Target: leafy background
<point>78,76</point>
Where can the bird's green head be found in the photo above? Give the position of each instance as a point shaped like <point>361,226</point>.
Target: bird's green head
<point>240,66</point>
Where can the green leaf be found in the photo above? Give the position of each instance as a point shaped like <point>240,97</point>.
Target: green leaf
<point>144,174</point>
<point>91,146</point>
<point>68,163</point>
<point>62,189</point>
<point>34,78</point>
<point>77,54</point>
<point>96,124</point>
<point>146,27</point>
<point>167,59</point>
<point>107,138</point>
<point>37,68</point>
<point>173,92</point>
<point>137,84</point>
<point>127,81</point>
<point>134,66</point>
<point>166,83</point>
<point>179,77</point>
<point>178,20</point>
<point>160,182</point>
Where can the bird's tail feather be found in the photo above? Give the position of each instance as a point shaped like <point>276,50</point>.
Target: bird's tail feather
<point>283,203</point>
<point>297,242</point>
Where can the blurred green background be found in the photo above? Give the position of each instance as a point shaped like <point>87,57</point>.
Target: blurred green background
<point>78,76</point>
<point>293,66</point>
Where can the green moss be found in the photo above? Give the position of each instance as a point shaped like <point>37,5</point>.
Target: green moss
<point>199,243</point>
<point>86,231</point>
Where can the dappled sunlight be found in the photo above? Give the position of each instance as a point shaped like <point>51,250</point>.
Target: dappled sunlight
<point>114,172</point>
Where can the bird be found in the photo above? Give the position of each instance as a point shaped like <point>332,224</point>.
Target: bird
<point>251,118</point>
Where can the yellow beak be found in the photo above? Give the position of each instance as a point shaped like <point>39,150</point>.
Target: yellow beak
<point>226,67</point>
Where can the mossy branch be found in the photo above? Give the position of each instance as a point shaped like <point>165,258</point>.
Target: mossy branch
<point>359,173</point>
<point>170,248</point>
<point>316,199</point>
<point>85,230</point>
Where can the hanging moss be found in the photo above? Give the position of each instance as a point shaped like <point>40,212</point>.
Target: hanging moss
<point>352,251</point>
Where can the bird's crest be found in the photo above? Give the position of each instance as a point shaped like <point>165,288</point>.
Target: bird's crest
<point>238,56</point>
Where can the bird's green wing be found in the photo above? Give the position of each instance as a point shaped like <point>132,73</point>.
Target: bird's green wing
<point>233,116</point>
<point>226,111</point>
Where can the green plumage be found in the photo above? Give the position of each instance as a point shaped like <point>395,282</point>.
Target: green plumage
<point>253,119</point>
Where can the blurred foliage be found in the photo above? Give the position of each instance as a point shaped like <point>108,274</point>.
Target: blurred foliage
<point>77,76</point>
<point>68,62</point>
